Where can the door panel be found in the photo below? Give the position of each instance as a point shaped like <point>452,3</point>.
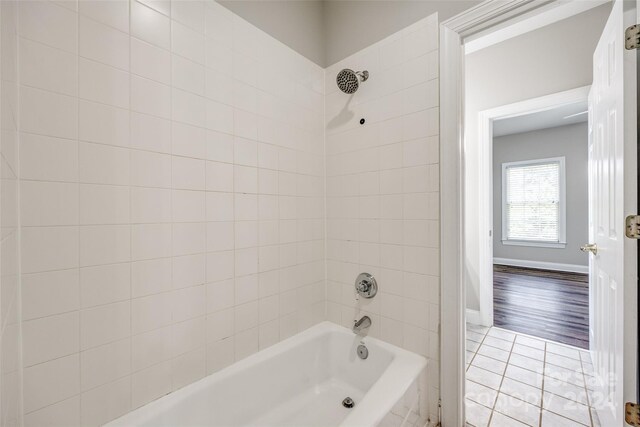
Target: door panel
<point>607,212</point>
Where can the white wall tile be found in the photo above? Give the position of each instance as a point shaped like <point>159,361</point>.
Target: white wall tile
<point>104,324</point>
<point>150,25</point>
<point>150,169</point>
<point>51,382</point>
<point>48,159</point>
<point>48,23</point>
<point>150,312</point>
<point>101,164</point>
<point>47,113</point>
<point>150,61</point>
<point>150,205</point>
<point>188,270</point>
<point>49,248</point>
<point>151,383</point>
<point>103,124</point>
<point>49,293</point>
<point>150,277</point>
<point>105,244</point>
<point>103,43</point>
<point>103,83</point>
<point>50,337</point>
<point>64,413</point>
<point>112,13</point>
<point>150,241</point>
<point>48,203</point>
<point>105,284</point>
<point>150,133</point>
<point>151,348</point>
<point>187,42</point>
<point>150,97</point>
<point>106,402</point>
<point>104,204</point>
<point>189,141</point>
<point>48,68</point>
<point>104,364</point>
<point>143,225</point>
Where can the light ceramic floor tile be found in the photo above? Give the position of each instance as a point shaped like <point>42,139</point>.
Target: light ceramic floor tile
<point>530,342</point>
<point>493,352</point>
<point>563,374</point>
<point>521,391</point>
<point>475,336</point>
<point>477,415</point>
<point>595,420</point>
<point>502,334</point>
<point>530,352</point>
<point>477,328</point>
<point>526,362</point>
<point>526,396</point>
<point>549,419</point>
<point>484,377</point>
<point>563,350</point>
<point>518,409</point>
<point>480,394</point>
<point>498,343</point>
<point>500,420</point>
<point>473,346</point>
<point>566,390</point>
<point>568,408</point>
<point>564,362</point>
<point>489,364</point>
<point>524,376</point>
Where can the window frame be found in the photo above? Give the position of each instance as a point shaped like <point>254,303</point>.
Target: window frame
<point>562,208</point>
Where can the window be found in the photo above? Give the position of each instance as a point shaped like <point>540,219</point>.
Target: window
<point>533,203</point>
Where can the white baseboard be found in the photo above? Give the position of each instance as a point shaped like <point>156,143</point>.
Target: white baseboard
<point>473,316</point>
<point>542,265</point>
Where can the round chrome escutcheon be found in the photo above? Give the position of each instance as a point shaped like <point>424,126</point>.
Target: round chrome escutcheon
<point>363,351</point>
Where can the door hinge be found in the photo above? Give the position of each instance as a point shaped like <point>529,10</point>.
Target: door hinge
<point>632,37</point>
<point>632,227</point>
<point>632,414</point>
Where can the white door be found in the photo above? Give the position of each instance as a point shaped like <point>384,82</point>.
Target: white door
<point>610,144</point>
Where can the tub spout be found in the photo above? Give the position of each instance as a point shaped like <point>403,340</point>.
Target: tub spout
<point>361,325</point>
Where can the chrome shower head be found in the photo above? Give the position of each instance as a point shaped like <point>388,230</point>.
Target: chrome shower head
<point>348,80</point>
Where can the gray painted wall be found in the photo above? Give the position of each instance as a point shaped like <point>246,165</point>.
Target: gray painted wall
<point>330,30</point>
<point>570,142</point>
<point>353,25</point>
<point>298,24</point>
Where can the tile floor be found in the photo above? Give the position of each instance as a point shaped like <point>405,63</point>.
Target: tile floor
<point>517,380</point>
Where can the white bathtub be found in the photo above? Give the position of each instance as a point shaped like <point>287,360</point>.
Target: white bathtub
<point>300,381</point>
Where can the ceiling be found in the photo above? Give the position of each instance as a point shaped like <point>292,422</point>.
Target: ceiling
<point>561,115</point>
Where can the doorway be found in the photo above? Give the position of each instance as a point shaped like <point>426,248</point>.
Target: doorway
<point>538,184</point>
<point>618,272</point>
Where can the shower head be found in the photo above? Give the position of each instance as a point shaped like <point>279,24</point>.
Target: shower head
<point>348,80</point>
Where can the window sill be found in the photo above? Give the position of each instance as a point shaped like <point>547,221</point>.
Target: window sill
<point>557,245</point>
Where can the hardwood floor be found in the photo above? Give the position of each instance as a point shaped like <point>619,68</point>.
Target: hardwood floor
<point>552,305</point>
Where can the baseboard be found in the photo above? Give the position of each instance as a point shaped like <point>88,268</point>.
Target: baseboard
<point>473,316</point>
<point>573,268</point>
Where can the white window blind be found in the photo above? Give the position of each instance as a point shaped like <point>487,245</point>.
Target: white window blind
<point>532,201</point>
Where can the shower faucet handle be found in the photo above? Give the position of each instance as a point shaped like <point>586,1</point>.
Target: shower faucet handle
<point>366,285</point>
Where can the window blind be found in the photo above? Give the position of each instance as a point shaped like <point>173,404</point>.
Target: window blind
<point>533,202</point>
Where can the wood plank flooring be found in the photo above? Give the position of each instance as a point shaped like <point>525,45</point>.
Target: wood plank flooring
<point>552,305</point>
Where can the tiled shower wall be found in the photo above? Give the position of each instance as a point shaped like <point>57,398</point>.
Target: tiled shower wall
<point>10,334</point>
<point>383,194</point>
<point>172,200</point>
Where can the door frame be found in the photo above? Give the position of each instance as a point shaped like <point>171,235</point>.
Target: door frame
<point>487,23</point>
<point>485,209</point>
